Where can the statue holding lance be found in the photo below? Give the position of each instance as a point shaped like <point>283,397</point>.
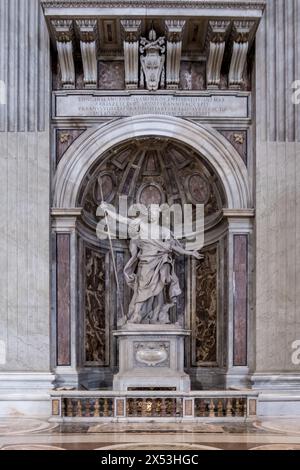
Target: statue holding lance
<point>150,272</point>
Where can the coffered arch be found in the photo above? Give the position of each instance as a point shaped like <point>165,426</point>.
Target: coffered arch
<point>203,139</point>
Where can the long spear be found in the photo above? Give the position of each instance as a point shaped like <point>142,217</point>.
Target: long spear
<point>124,317</point>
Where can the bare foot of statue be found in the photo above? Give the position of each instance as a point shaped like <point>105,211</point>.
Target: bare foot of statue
<point>164,318</point>
<point>135,319</point>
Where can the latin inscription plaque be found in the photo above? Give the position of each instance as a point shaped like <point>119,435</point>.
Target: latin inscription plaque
<point>68,105</point>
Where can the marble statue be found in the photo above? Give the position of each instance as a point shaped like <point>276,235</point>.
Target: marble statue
<point>152,60</point>
<point>150,272</point>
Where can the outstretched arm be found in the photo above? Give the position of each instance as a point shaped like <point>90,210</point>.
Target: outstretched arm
<point>178,249</point>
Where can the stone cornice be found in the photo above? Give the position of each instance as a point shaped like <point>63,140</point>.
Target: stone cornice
<point>178,4</point>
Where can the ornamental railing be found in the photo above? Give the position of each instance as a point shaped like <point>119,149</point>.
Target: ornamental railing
<point>110,406</point>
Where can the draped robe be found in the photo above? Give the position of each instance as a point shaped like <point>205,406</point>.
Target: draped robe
<point>151,274</point>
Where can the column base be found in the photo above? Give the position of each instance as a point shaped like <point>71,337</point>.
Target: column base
<point>25,394</point>
<point>276,381</point>
<point>238,377</point>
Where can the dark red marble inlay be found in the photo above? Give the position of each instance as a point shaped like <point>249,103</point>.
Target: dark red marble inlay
<point>63,300</point>
<point>240,300</point>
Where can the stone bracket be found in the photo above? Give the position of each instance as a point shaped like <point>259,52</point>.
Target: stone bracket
<point>132,32</point>
<point>174,32</point>
<point>242,34</point>
<point>217,34</point>
<point>88,33</point>
<point>64,36</point>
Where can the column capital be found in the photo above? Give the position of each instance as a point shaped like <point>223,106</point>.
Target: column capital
<point>242,31</point>
<point>65,220</point>
<point>131,29</point>
<point>174,30</point>
<point>217,30</point>
<point>88,30</point>
<point>239,213</point>
<point>63,29</point>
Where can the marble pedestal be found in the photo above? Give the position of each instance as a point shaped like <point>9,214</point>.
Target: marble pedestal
<point>151,357</point>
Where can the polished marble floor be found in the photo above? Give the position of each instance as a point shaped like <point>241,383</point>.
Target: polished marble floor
<point>34,434</point>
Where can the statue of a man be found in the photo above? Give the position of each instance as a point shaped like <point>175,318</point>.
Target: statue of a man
<point>150,271</point>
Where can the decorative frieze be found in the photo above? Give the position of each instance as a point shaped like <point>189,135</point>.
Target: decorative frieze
<point>241,35</point>
<point>88,45</point>
<point>217,33</point>
<point>64,35</point>
<point>132,31</point>
<point>153,62</point>
<point>174,32</point>
<point>248,5</point>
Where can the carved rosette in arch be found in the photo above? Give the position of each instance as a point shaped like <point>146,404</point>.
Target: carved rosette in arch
<point>205,309</point>
<point>239,140</point>
<point>96,321</point>
<point>64,139</point>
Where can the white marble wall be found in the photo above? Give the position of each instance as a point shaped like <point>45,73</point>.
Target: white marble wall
<point>277,188</point>
<point>24,186</point>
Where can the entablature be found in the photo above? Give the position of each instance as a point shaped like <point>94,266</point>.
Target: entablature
<point>215,36</point>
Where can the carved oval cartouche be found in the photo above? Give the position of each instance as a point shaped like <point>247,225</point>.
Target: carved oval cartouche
<point>151,357</point>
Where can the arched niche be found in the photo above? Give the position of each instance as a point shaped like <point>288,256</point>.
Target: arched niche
<point>174,161</point>
<point>203,139</point>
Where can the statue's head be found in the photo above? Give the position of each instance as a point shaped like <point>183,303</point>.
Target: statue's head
<point>152,35</point>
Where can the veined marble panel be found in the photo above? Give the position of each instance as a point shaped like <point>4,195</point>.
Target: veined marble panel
<point>95,303</point>
<point>204,326</point>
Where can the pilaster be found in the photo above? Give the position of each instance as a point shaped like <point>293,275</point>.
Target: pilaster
<point>240,333</point>
<point>65,322</point>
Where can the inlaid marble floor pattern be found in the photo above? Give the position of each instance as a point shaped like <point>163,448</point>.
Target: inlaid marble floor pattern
<point>35,434</point>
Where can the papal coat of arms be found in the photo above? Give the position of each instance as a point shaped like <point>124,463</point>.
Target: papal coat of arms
<point>152,61</point>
